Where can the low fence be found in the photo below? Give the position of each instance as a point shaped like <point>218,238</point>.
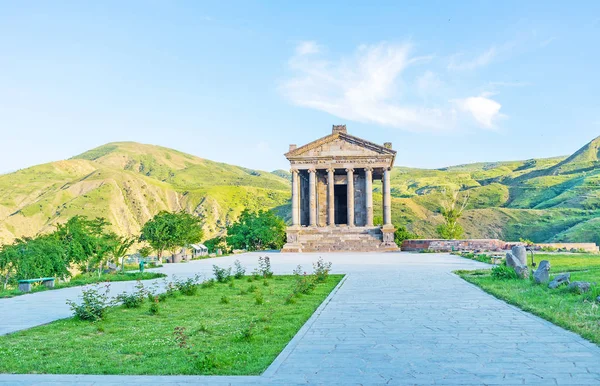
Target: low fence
<point>480,245</point>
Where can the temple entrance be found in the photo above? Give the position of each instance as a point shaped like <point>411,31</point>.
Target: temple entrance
<point>341,204</point>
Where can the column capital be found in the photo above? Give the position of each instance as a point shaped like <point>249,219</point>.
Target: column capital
<point>350,170</point>
<point>331,169</point>
<point>368,168</point>
<point>294,171</point>
<point>312,170</point>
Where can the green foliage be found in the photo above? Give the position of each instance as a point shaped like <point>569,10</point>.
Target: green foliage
<point>321,270</point>
<point>154,308</point>
<point>93,305</point>
<point>256,231</point>
<point>189,286</point>
<point>238,270</point>
<point>166,231</point>
<point>264,268</point>
<point>134,299</point>
<point>503,272</point>
<point>222,275</point>
<point>401,234</point>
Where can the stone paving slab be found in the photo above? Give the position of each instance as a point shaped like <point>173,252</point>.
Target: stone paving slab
<point>396,319</point>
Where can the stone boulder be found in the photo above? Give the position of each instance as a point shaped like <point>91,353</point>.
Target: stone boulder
<point>579,286</point>
<point>520,253</point>
<point>563,278</point>
<point>542,274</point>
<point>513,262</point>
<point>522,271</point>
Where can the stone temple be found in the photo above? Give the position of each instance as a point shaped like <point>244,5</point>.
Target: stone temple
<point>332,195</point>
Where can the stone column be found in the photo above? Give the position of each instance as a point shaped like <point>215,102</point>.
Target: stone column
<point>369,195</point>
<point>295,198</point>
<point>330,197</point>
<point>387,198</point>
<point>312,186</point>
<point>350,172</point>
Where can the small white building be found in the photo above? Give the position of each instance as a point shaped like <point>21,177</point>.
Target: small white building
<point>199,250</point>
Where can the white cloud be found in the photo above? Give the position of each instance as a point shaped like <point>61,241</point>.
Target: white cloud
<point>428,83</point>
<point>366,87</point>
<point>307,48</point>
<point>484,110</point>
<point>457,63</point>
<point>547,41</point>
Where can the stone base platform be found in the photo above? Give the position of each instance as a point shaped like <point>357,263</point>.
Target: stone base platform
<point>340,239</point>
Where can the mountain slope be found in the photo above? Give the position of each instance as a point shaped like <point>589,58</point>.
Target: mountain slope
<point>128,183</point>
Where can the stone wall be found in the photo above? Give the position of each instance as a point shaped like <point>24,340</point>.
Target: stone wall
<point>588,247</point>
<point>455,245</point>
<point>483,245</point>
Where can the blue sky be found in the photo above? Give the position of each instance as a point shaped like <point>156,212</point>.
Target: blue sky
<point>446,82</point>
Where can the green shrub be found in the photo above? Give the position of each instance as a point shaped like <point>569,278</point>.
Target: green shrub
<point>259,299</point>
<point>154,307</point>
<point>321,270</point>
<point>188,287</point>
<point>135,299</point>
<point>238,270</point>
<point>224,300</point>
<point>222,275</point>
<point>93,305</point>
<point>208,283</point>
<point>503,272</point>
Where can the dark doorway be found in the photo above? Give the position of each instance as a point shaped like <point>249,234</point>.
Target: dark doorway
<point>341,204</point>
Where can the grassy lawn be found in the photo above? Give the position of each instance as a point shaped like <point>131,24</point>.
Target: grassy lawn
<point>85,279</point>
<point>579,313</point>
<point>226,329</point>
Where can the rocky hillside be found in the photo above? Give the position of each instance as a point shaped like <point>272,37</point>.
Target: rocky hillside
<point>128,183</point>
<point>553,199</point>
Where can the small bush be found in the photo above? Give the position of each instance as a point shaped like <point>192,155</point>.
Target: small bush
<point>248,332</point>
<point>304,284</point>
<point>188,287</point>
<point>222,275</point>
<point>238,270</point>
<point>259,299</point>
<point>162,297</point>
<point>252,288</point>
<point>321,270</point>
<point>503,272</point>
<point>290,299</point>
<point>264,267</point>
<point>154,306</point>
<point>265,283</point>
<point>224,300</point>
<point>135,299</point>
<point>208,283</point>
<point>94,304</point>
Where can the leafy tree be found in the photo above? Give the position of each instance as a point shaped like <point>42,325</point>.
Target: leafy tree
<point>215,243</point>
<point>452,207</point>
<point>167,231</point>
<point>86,242</point>
<point>119,249</point>
<point>28,258</point>
<point>256,231</point>
<point>401,234</point>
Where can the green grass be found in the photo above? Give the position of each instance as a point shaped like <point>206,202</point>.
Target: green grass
<point>234,337</point>
<point>579,313</point>
<point>85,279</point>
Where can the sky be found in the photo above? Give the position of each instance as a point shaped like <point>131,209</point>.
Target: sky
<point>446,82</point>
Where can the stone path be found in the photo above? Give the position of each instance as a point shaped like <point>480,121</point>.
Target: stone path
<point>395,319</point>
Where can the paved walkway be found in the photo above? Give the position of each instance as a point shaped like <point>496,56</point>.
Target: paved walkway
<point>395,319</point>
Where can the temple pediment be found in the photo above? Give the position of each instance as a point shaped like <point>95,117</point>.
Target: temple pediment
<point>338,145</point>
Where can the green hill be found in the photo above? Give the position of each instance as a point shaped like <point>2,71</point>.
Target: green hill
<point>128,183</point>
<point>550,199</point>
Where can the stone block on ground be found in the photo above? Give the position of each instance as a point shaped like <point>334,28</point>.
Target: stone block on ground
<point>563,278</point>
<point>580,286</point>
<point>542,274</point>
<point>522,271</point>
<point>511,260</point>
<point>520,253</point>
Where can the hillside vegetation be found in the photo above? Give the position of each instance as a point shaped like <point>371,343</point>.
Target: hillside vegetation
<point>551,199</point>
<point>127,183</point>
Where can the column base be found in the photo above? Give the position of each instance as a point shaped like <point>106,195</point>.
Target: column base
<point>388,243</point>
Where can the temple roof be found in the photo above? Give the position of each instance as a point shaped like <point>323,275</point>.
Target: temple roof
<point>340,144</point>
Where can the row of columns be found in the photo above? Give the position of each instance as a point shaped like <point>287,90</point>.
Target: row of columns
<point>312,184</point>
